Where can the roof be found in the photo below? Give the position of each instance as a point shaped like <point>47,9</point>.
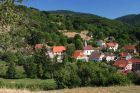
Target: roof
<point>58,49</point>
<point>111,44</point>
<point>111,55</point>
<point>39,46</point>
<point>78,53</point>
<point>96,55</point>
<point>89,47</point>
<point>124,54</point>
<point>123,62</point>
<point>129,47</point>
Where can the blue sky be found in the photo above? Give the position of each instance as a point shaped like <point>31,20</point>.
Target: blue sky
<point>105,8</point>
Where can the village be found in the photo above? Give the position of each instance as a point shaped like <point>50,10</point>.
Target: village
<point>126,59</point>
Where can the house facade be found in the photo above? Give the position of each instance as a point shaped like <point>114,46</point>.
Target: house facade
<point>109,57</point>
<point>88,50</point>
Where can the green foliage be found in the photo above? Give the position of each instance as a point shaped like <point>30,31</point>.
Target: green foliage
<point>89,74</point>
<point>11,71</point>
<point>30,68</point>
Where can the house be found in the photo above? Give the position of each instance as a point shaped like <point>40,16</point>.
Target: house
<point>127,65</point>
<point>124,54</point>
<point>109,57</point>
<point>88,50</point>
<point>100,43</point>
<point>130,48</point>
<point>96,56</point>
<point>40,46</point>
<point>112,46</point>
<point>58,50</point>
<point>79,55</point>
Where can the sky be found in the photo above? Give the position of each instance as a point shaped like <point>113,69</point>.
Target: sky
<point>105,8</point>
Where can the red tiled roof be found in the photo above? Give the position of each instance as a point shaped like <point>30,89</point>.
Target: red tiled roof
<point>123,62</point>
<point>124,54</point>
<point>39,46</point>
<point>111,44</point>
<point>58,49</point>
<point>78,53</point>
<point>89,47</point>
<point>130,47</point>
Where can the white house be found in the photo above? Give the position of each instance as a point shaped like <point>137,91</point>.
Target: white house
<point>109,57</point>
<point>112,46</point>
<point>88,50</point>
<point>79,55</point>
<point>58,50</point>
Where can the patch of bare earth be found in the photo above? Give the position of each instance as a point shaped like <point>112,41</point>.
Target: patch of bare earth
<point>116,89</point>
<point>83,34</point>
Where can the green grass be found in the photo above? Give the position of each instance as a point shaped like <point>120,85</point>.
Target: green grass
<point>32,84</point>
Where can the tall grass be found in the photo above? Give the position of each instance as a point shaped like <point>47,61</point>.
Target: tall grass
<point>31,84</point>
<point>117,89</point>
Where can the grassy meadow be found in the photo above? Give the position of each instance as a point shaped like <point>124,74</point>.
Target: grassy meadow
<point>30,84</point>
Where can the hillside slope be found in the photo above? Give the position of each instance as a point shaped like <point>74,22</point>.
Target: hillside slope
<point>62,20</point>
<point>133,19</point>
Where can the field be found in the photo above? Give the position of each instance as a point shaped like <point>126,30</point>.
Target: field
<point>116,89</point>
<point>31,84</point>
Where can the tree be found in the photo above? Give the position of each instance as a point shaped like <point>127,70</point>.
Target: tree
<point>78,44</point>
<point>40,71</point>
<point>30,68</point>
<point>9,15</point>
<point>11,72</point>
<point>70,49</point>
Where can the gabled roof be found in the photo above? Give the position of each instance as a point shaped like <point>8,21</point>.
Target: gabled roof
<point>129,47</point>
<point>111,44</point>
<point>96,55</point>
<point>78,53</point>
<point>89,47</point>
<point>122,63</point>
<point>124,54</point>
<point>58,49</point>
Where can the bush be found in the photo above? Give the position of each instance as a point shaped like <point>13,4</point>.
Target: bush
<point>119,79</point>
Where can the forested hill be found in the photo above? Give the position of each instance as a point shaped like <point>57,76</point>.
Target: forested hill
<point>133,19</point>
<point>49,26</point>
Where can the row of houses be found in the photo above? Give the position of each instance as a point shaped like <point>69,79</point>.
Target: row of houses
<point>95,54</point>
<point>124,61</point>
